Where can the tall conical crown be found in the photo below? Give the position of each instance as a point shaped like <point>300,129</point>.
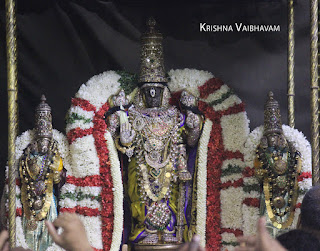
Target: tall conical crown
<point>151,64</point>
<point>43,120</point>
<point>272,117</point>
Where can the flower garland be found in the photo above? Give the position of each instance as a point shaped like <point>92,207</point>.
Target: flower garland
<point>94,188</point>
<point>95,163</point>
<point>202,182</point>
<point>251,187</point>
<point>224,133</point>
<point>22,142</point>
<point>117,190</point>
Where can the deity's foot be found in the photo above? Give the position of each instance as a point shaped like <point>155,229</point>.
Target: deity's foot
<point>169,238</point>
<point>150,239</point>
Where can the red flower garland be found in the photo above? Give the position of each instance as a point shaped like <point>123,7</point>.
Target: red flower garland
<point>248,172</point>
<point>210,86</point>
<point>18,212</point>
<point>76,133</point>
<point>235,184</point>
<point>216,155</point>
<point>85,211</point>
<point>91,181</point>
<point>298,205</point>
<point>104,179</point>
<point>304,175</point>
<point>252,202</point>
<point>107,216</point>
<point>84,104</point>
<point>214,164</point>
<point>236,232</point>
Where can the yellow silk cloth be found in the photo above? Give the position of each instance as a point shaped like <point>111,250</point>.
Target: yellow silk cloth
<point>138,210</point>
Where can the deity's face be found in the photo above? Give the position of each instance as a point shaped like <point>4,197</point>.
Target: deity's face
<point>152,96</point>
<point>276,139</point>
<point>43,145</point>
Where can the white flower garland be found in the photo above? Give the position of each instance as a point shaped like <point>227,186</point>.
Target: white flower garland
<point>188,79</point>
<point>231,126</point>
<point>117,193</point>
<point>202,182</point>
<point>85,160</point>
<point>84,157</point>
<point>97,90</point>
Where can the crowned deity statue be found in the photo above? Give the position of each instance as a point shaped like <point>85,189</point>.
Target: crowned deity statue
<point>154,137</point>
<point>41,171</point>
<point>277,166</point>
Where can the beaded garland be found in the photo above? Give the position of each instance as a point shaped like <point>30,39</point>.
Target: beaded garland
<point>282,165</point>
<point>21,144</point>
<point>37,182</point>
<point>156,129</point>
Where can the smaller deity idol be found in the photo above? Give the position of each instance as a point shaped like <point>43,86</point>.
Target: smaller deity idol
<point>278,165</point>
<point>40,168</point>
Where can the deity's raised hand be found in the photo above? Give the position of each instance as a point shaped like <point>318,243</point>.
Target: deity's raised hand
<point>192,120</point>
<point>127,134</point>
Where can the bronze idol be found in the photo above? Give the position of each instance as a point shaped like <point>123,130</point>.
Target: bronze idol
<point>278,165</point>
<point>40,168</point>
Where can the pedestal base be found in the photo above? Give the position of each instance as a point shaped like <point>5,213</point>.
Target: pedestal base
<point>173,247</point>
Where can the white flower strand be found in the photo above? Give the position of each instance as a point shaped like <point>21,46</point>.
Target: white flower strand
<point>117,193</point>
<point>84,157</point>
<point>231,126</point>
<point>202,182</point>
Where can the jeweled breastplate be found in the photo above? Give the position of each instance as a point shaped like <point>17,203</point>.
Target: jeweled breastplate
<point>157,136</point>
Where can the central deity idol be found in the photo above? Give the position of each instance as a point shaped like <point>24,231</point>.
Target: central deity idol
<point>155,137</point>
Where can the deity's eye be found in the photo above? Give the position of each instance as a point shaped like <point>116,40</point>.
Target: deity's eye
<point>152,92</point>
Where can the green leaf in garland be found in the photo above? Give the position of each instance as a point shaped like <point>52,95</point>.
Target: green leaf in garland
<point>223,97</point>
<point>253,187</point>
<point>231,243</point>
<point>80,196</point>
<point>231,169</point>
<point>128,81</point>
<point>74,116</point>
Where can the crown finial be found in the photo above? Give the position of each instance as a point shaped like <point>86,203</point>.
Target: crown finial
<point>270,95</point>
<point>151,22</point>
<point>43,98</point>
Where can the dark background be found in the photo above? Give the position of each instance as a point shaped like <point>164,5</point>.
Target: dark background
<point>61,44</point>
